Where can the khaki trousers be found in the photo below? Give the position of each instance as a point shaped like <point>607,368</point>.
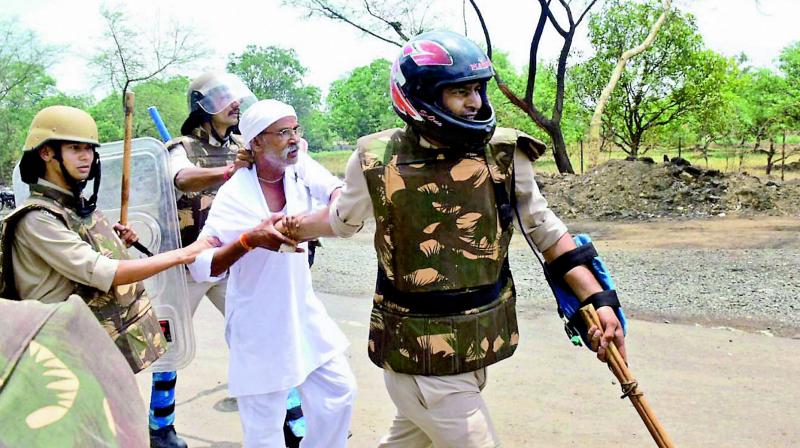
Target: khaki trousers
<point>215,291</point>
<point>439,411</point>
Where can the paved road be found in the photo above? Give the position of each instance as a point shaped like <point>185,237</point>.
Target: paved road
<point>710,387</point>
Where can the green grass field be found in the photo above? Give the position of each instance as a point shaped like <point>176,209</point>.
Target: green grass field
<point>333,161</point>
<point>721,158</point>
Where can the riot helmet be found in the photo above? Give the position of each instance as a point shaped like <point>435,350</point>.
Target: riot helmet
<point>53,126</point>
<point>210,93</point>
<point>427,64</point>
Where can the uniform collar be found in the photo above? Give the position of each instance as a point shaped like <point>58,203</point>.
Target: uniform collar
<point>423,142</point>
<point>48,184</point>
<point>205,136</point>
<point>54,192</point>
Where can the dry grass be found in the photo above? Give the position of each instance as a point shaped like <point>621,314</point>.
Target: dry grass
<point>721,158</point>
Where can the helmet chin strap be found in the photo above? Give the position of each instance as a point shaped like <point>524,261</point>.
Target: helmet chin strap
<point>83,207</point>
<point>215,134</point>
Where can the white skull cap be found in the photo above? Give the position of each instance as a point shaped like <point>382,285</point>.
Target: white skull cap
<point>260,116</point>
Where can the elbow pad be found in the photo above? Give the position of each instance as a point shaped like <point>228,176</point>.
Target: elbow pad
<point>568,304</point>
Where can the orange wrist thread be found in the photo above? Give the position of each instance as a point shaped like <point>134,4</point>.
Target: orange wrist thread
<point>243,242</point>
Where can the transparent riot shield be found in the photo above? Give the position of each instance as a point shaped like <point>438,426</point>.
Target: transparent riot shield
<point>21,191</point>
<point>153,215</point>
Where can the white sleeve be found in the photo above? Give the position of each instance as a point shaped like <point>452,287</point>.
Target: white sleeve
<point>201,268</point>
<point>354,205</point>
<point>319,180</point>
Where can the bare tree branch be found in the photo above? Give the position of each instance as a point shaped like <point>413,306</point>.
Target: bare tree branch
<point>537,37</point>
<point>395,25</point>
<point>380,19</point>
<point>484,28</point>
<point>545,5</point>
<point>21,57</point>
<point>122,62</point>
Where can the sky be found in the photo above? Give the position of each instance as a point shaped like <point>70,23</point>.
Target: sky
<point>759,28</point>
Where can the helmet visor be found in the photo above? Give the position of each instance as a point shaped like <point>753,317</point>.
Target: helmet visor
<point>227,89</point>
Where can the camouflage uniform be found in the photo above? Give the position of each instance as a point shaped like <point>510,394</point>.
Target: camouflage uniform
<point>445,298</point>
<point>62,382</point>
<point>444,303</point>
<point>124,311</point>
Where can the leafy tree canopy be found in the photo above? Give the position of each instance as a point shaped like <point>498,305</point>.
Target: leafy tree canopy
<point>674,78</point>
<point>275,73</point>
<point>360,104</point>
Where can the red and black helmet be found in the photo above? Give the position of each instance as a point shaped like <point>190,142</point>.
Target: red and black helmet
<point>428,63</point>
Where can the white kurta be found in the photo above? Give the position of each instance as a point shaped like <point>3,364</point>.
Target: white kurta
<point>277,330</point>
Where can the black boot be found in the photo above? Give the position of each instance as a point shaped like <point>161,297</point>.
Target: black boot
<point>166,438</point>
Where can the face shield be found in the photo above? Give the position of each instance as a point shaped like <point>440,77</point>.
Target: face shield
<point>225,90</point>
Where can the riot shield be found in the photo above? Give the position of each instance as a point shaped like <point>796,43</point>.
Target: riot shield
<point>153,215</point>
<point>63,382</point>
<point>21,191</point>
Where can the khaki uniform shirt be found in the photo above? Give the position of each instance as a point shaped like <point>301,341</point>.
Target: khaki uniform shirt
<point>179,160</point>
<point>49,258</point>
<point>354,206</point>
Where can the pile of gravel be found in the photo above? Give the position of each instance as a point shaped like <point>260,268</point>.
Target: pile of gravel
<point>622,189</point>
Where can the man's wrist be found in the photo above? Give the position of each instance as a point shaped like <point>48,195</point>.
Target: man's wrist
<point>245,243</point>
<point>229,170</point>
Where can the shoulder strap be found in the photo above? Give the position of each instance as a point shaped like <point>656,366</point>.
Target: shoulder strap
<point>531,147</point>
<point>184,140</point>
<point>8,286</point>
<point>377,149</point>
<point>237,140</point>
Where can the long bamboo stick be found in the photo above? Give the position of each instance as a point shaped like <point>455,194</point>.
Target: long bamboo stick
<point>630,387</point>
<point>126,159</point>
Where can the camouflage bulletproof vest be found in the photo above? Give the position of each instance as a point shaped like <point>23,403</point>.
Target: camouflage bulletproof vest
<point>63,382</point>
<point>193,207</point>
<point>445,299</point>
<point>124,311</point>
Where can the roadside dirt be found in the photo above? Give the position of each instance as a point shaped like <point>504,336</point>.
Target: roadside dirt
<point>638,190</point>
<point>762,232</point>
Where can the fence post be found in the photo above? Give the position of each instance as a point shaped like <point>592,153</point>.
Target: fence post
<point>581,140</point>
<point>783,155</point>
<point>680,144</point>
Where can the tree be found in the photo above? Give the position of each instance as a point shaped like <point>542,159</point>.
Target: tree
<point>129,55</point>
<point>17,109</point>
<point>550,122</point>
<point>385,20</point>
<point>275,73</point>
<point>596,122</point>
<point>789,64</point>
<point>24,86</point>
<point>508,115</point>
<point>168,95</point>
<point>395,21</point>
<point>318,131</point>
<point>760,107</point>
<point>712,124</point>
<point>676,77</point>
<point>23,58</point>
<point>359,104</point>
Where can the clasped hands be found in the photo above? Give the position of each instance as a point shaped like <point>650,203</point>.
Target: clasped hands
<point>277,233</point>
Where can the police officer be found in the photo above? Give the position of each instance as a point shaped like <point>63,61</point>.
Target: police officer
<point>201,160</point>
<point>56,244</point>
<point>445,193</point>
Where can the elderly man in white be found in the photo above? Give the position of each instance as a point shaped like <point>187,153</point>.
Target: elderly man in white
<point>279,334</point>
